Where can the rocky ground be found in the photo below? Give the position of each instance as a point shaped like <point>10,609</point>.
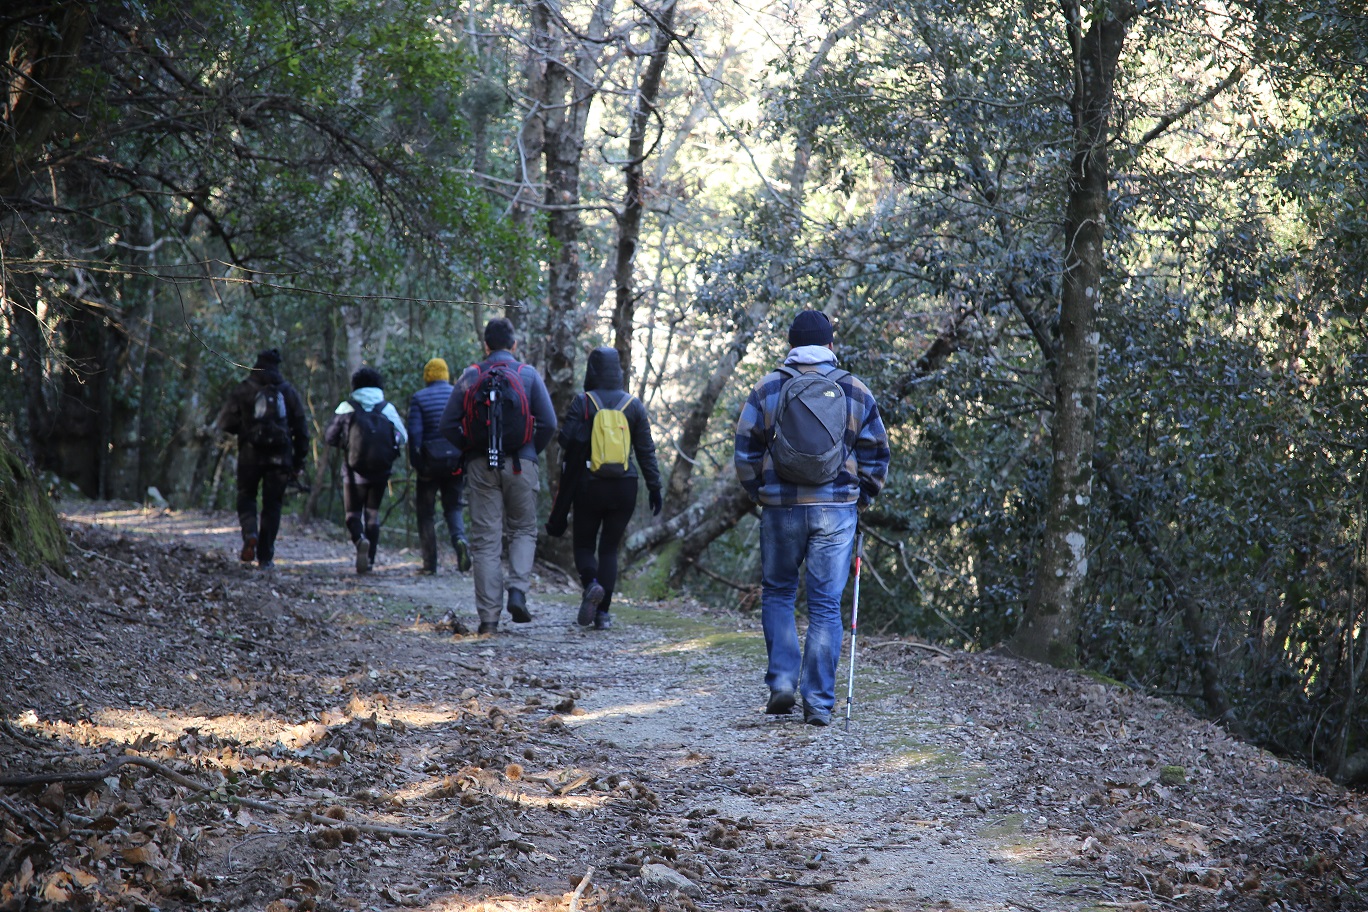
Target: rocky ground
<point>177,729</point>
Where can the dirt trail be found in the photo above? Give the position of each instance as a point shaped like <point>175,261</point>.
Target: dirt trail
<point>641,753</point>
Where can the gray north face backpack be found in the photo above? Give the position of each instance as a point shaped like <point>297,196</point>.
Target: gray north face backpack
<point>808,445</point>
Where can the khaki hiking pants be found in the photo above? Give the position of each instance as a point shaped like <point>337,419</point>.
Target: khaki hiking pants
<point>502,505</point>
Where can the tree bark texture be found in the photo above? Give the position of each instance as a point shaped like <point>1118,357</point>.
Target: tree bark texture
<point>570,92</point>
<point>129,341</point>
<point>532,134</point>
<point>39,61</point>
<point>1049,630</point>
<point>629,220</point>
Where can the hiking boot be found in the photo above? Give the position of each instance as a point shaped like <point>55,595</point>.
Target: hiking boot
<point>517,606</point>
<point>815,716</point>
<point>593,596</point>
<point>462,554</point>
<point>362,556</point>
<point>266,564</point>
<point>248,549</point>
<point>488,628</point>
<point>780,703</point>
<point>426,570</point>
<point>603,620</point>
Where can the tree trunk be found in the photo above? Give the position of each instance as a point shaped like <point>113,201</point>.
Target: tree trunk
<point>39,61</point>
<point>532,135</point>
<point>129,342</point>
<point>1049,630</point>
<point>570,95</point>
<point>629,221</point>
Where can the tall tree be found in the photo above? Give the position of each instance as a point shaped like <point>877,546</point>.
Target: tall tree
<point>1049,630</point>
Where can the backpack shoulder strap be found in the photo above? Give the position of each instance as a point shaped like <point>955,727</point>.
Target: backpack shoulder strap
<point>590,397</point>
<point>789,372</point>
<point>837,375</point>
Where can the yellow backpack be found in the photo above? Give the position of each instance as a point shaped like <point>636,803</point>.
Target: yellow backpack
<point>610,438</point>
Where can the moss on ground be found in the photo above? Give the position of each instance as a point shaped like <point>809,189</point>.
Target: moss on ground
<point>28,524</point>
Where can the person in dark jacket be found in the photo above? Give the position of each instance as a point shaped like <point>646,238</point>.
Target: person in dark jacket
<point>808,528</point>
<point>362,494</point>
<point>271,450</point>
<point>602,504</point>
<point>503,500</point>
<point>436,461</point>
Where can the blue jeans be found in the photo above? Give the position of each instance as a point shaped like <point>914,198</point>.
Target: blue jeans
<point>821,537</point>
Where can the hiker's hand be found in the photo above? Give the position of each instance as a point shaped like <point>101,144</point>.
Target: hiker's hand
<point>656,501</point>
<point>556,526</point>
<point>862,502</point>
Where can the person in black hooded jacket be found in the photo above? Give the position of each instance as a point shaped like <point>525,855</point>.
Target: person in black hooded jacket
<point>602,503</point>
<point>271,450</point>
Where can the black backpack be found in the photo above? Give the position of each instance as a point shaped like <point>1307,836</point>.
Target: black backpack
<point>498,414</point>
<point>266,427</point>
<point>372,445</point>
<point>810,423</point>
<point>441,458</point>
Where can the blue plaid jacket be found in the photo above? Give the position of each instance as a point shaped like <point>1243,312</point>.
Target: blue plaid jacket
<point>867,452</point>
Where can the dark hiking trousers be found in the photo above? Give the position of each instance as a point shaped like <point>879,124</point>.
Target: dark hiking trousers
<point>270,480</point>
<point>449,487</point>
<point>603,507</point>
<point>362,503</point>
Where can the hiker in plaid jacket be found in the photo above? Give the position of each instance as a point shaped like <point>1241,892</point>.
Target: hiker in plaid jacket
<point>809,526</point>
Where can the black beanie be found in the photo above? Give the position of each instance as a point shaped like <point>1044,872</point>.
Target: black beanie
<point>268,358</point>
<point>810,327</point>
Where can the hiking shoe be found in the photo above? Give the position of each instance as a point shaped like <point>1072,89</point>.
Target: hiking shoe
<point>488,628</point>
<point>603,620</point>
<point>248,549</point>
<point>462,554</point>
<point>593,595</point>
<point>266,564</point>
<point>815,716</point>
<point>517,606</point>
<point>362,556</point>
<point>426,571</point>
<point>780,703</point>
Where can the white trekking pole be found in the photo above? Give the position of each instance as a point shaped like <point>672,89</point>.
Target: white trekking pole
<point>854,621</point>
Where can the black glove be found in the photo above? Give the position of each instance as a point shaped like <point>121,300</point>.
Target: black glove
<point>556,526</point>
<point>656,501</point>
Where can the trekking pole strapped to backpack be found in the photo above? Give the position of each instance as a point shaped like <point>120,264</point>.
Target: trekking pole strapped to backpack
<point>498,414</point>
<point>854,620</point>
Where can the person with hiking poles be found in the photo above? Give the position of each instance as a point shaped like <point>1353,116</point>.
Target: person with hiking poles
<point>438,465</point>
<point>369,432</point>
<point>812,451</point>
<point>500,416</point>
<point>603,427</point>
<point>267,415</point>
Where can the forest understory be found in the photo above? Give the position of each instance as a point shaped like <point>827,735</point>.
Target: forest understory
<point>181,730</point>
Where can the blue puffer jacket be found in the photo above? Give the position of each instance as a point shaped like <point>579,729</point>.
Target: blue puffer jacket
<point>424,416</point>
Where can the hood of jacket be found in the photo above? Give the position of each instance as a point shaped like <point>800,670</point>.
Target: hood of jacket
<point>604,371</point>
<point>366,395</point>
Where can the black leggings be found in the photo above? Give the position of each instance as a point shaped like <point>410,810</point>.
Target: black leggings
<point>602,510</point>
<point>362,503</point>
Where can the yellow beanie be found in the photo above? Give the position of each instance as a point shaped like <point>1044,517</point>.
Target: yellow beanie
<point>436,369</point>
